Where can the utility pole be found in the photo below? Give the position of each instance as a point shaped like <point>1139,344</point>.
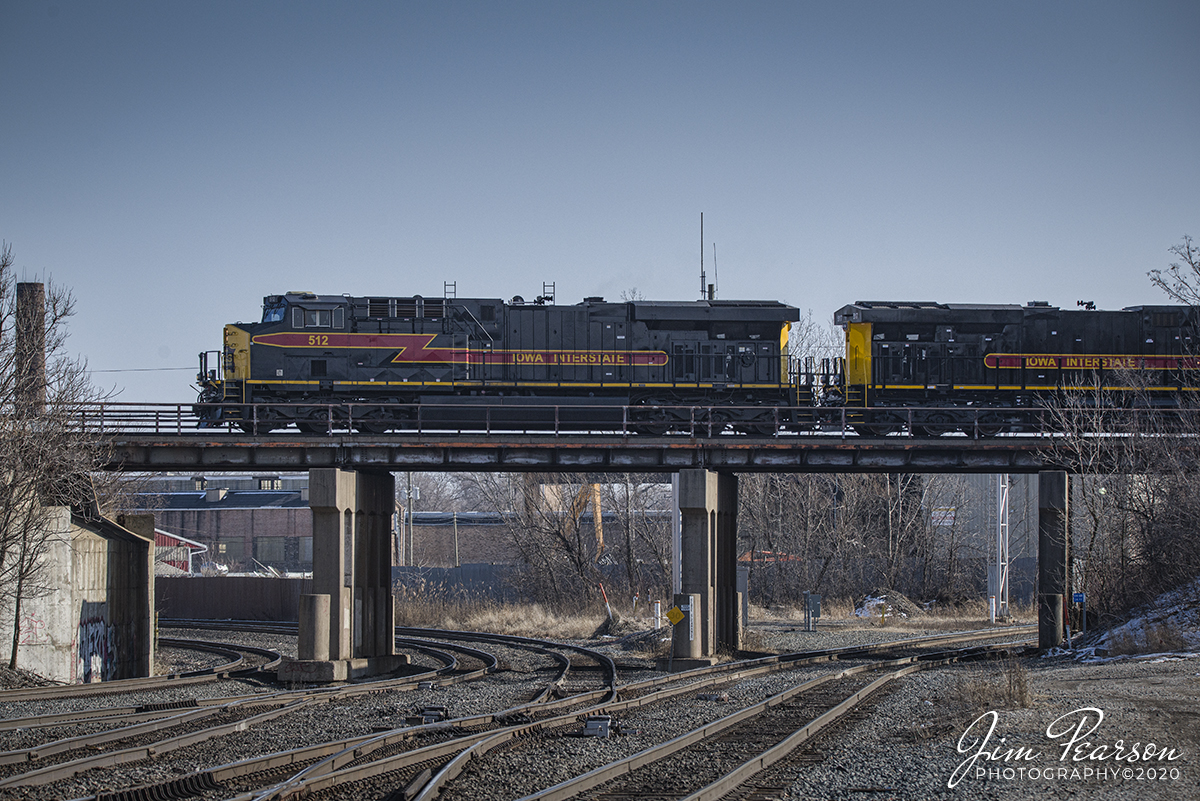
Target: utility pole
<point>456,562</point>
<point>410,494</point>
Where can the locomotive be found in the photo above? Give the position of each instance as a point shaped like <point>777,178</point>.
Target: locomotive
<point>941,367</point>
<point>484,362</point>
<point>375,364</point>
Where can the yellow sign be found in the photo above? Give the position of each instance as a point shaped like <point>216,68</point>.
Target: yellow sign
<point>674,614</point>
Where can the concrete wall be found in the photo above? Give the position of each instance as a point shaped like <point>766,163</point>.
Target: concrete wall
<point>229,597</point>
<point>91,619</point>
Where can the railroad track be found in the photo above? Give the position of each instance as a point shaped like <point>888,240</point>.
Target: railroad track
<point>427,773</point>
<point>720,756</point>
<point>405,753</point>
<point>241,661</point>
<point>132,736</point>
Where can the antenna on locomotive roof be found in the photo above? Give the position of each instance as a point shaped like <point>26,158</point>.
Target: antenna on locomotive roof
<point>702,279</point>
<point>712,294</point>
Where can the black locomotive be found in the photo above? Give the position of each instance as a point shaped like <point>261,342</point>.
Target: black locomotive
<point>945,367</point>
<point>382,363</point>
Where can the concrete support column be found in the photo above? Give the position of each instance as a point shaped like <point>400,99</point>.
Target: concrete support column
<point>352,521</point>
<point>373,577</point>
<point>314,628</point>
<point>708,555</point>
<point>1053,539</point>
<point>331,497</point>
<point>728,617</point>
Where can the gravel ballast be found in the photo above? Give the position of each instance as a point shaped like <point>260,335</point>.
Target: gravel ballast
<point>906,749</point>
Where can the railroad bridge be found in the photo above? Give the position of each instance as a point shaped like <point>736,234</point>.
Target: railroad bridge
<point>350,476</point>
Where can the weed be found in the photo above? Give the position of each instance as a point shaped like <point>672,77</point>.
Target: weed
<point>1005,686</point>
<point>529,620</point>
<point>1157,639</point>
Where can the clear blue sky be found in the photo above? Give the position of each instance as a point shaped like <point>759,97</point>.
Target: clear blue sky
<point>174,162</point>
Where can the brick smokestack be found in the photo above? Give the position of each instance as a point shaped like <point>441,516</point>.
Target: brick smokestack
<point>30,364</point>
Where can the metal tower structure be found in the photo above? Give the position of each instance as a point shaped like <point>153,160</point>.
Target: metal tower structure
<point>998,567</point>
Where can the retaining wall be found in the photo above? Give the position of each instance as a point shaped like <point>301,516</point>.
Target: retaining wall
<point>229,597</point>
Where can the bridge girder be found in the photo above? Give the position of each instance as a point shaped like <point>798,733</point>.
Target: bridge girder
<point>511,453</point>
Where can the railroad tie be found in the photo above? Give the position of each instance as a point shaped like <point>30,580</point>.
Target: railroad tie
<point>185,787</point>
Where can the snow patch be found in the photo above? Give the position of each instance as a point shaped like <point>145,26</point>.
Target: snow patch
<point>877,607</point>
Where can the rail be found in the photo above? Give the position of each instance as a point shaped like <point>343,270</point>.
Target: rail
<point>555,420</point>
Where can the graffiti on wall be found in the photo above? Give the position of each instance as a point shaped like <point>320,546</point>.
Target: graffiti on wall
<point>33,630</point>
<point>95,646</point>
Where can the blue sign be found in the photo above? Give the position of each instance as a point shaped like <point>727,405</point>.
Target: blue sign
<point>1079,597</point>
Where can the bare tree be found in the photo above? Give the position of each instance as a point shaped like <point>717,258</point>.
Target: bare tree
<point>1134,509</point>
<point>644,550</point>
<point>1181,281</point>
<point>434,492</point>
<point>546,528</point>
<point>47,459</point>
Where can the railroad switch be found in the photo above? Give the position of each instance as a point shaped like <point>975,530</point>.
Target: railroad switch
<point>427,685</point>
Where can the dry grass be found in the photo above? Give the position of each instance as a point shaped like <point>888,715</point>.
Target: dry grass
<point>754,641</point>
<point>840,612</point>
<point>1005,686</point>
<point>1002,685</point>
<point>526,620</point>
<point>1158,639</point>
<point>656,645</point>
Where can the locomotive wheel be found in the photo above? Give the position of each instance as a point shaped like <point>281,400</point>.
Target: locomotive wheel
<point>880,426</point>
<point>650,421</point>
<point>934,425</point>
<point>989,425</point>
<point>315,423</point>
<point>711,425</point>
<point>375,421</point>
<point>268,421</point>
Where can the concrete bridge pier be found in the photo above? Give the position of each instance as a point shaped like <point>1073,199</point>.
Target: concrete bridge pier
<point>707,503</point>
<point>352,633</point>
<point>1053,555</point>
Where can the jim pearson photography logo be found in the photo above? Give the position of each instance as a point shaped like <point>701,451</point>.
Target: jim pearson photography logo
<point>1075,753</point>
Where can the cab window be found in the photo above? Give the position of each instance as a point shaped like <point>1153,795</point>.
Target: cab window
<point>318,318</point>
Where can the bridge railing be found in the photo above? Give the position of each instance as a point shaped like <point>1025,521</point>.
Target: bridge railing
<point>182,419</point>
